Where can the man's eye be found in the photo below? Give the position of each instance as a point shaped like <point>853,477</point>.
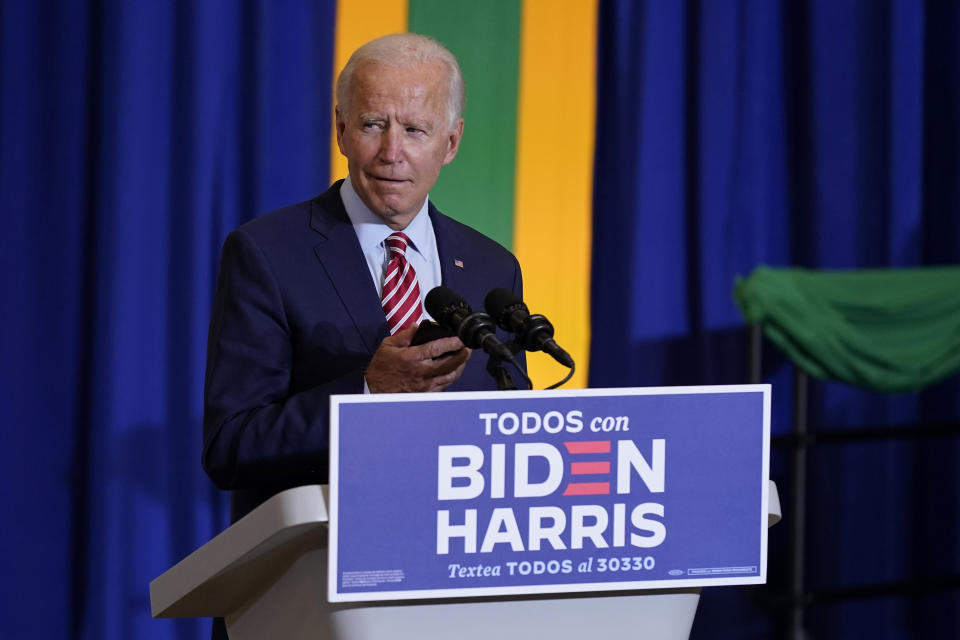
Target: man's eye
<point>414,130</point>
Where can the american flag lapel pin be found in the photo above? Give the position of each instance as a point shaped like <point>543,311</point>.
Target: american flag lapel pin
<point>458,263</point>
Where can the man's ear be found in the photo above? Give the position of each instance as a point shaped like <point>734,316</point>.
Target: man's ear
<point>453,142</point>
<point>340,125</point>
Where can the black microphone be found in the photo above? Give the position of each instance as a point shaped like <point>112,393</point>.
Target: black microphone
<point>534,332</point>
<point>475,328</point>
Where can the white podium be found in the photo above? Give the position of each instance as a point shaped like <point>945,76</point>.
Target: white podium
<point>266,575</point>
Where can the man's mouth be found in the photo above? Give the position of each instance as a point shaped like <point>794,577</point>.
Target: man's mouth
<point>388,180</point>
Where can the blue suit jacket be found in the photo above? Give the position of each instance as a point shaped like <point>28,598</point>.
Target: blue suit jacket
<point>296,318</point>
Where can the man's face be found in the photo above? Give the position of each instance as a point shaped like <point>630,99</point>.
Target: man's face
<point>397,136</point>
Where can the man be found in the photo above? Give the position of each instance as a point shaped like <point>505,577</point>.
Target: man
<point>324,297</point>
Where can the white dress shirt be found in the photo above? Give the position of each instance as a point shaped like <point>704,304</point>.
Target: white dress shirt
<point>371,231</point>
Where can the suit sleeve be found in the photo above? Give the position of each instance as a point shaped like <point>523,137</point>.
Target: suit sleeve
<point>517,278</point>
<point>255,431</point>
<point>518,291</point>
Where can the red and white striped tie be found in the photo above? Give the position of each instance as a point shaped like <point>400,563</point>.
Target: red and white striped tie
<point>401,293</point>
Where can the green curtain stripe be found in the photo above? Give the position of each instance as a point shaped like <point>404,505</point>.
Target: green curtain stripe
<point>478,187</point>
<point>889,330</point>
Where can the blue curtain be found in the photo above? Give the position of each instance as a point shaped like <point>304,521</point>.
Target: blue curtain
<point>133,137</point>
<point>815,133</point>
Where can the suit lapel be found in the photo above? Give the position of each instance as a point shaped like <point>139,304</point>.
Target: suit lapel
<point>456,265</point>
<point>342,258</point>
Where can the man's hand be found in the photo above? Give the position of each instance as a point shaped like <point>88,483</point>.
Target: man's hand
<point>397,367</point>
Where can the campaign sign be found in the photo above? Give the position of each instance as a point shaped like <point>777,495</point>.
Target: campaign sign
<point>466,494</point>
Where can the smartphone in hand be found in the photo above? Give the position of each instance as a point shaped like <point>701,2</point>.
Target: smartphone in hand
<point>428,331</point>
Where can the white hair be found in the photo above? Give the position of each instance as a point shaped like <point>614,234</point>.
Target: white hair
<point>404,50</point>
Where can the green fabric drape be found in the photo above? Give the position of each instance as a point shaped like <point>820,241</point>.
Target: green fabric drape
<point>889,330</point>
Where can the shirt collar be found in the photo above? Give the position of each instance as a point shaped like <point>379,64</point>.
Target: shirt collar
<point>371,230</point>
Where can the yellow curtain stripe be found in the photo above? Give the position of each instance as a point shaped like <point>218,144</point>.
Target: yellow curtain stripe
<point>359,22</point>
<point>554,174</point>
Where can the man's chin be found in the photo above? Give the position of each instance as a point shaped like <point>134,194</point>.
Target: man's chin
<point>395,213</point>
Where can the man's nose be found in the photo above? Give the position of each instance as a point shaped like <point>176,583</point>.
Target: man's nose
<point>391,144</point>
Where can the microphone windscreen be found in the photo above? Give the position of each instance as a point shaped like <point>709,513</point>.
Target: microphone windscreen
<point>506,309</point>
<point>440,301</point>
<point>498,300</point>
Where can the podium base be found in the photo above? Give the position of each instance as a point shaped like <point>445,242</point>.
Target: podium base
<point>267,577</point>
